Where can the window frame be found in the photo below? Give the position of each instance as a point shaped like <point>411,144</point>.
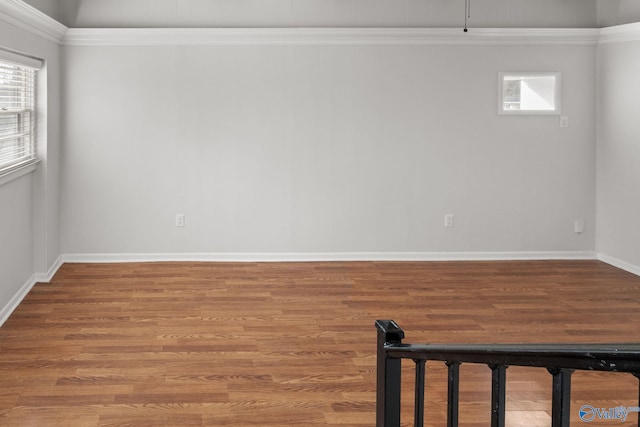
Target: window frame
<point>14,115</point>
<point>557,93</point>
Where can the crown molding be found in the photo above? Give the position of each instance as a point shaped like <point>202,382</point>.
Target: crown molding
<point>22,15</point>
<point>327,36</point>
<point>620,33</point>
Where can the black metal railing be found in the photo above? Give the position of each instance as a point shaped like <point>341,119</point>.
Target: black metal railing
<point>559,359</point>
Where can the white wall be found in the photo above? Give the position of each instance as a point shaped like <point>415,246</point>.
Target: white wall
<point>326,13</point>
<point>16,235</point>
<point>29,206</point>
<point>617,12</point>
<point>322,149</point>
<point>618,207</point>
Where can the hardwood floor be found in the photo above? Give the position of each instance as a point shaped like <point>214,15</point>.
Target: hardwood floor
<point>273,344</point>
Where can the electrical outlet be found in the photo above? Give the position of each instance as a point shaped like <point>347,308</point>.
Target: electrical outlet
<point>578,226</point>
<point>179,220</point>
<point>448,220</point>
<point>564,121</point>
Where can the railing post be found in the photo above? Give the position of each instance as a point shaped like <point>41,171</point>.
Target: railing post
<point>637,375</point>
<point>498,394</point>
<point>561,397</point>
<point>388,375</point>
<point>453,393</point>
<point>418,406</point>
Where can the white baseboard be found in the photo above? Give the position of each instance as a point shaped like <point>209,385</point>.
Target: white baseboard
<point>619,264</point>
<point>326,256</point>
<point>6,311</point>
<point>9,308</point>
<point>46,277</point>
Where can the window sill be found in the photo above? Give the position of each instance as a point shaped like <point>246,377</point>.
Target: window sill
<point>554,112</point>
<point>13,174</point>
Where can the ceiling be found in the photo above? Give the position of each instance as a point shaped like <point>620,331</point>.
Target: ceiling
<point>339,13</point>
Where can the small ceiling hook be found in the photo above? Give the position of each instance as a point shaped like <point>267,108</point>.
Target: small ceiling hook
<point>467,14</point>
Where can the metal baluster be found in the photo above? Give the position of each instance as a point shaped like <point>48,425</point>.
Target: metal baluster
<point>453,398</point>
<point>418,407</point>
<point>561,398</point>
<point>498,393</point>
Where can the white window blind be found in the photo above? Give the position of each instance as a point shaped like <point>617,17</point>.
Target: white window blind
<point>17,115</point>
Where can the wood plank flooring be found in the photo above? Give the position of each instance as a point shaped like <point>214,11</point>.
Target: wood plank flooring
<point>274,344</point>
